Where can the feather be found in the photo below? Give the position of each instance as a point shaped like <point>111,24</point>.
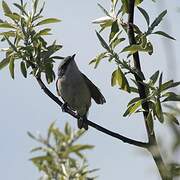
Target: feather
<point>95,92</point>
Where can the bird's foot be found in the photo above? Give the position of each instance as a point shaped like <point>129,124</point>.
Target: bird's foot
<point>82,123</point>
<point>64,107</point>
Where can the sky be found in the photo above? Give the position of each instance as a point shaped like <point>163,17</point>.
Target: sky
<point>24,107</point>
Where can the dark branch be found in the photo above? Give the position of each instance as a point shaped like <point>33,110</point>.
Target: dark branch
<point>137,65</point>
<point>153,146</point>
<point>90,123</point>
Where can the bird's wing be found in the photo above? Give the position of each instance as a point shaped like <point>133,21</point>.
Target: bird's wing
<point>57,87</point>
<point>95,92</point>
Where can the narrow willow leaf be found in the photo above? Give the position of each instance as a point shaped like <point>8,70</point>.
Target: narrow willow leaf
<point>156,22</point>
<point>168,85</point>
<point>21,8</point>
<point>154,77</point>
<point>116,41</point>
<point>11,67</point>
<point>35,5</point>
<point>164,34</point>
<point>134,100</point>
<point>67,129</point>
<point>4,63</point>
<point>124,6</point>
<point>6,8</point>
<point>23,69</point>
<point>79,147</point>
<point>171,96</point>
<point>48,21</point>
<point>145,14</point>
<point>132,48</point>
<point>132,108</point>
<point>102,20</point>
<point>137,2</point>
<point>98,59</point>
<point>40,158</point>
<point>103,42</point>
<point>44,32</point>
<point>6,25</point>
<point>103,9</point>
<point>171,117</point>
<point>159,112</point>
<point>14,16</point>
<point>150,122</point>
<point>114,30</point>
<point>134,90</point>
<point>160,82</point>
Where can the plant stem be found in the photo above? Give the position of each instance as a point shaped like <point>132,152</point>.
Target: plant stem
<point>153,149</point>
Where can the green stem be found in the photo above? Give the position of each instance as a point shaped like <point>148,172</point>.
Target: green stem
<point>153,148</point>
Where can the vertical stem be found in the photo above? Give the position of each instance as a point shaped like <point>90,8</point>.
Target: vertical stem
<point>153,149</point>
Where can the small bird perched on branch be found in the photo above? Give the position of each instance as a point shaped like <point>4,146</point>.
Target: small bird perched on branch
<point>76,89</point>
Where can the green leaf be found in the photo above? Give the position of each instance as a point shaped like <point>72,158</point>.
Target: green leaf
<point>117,41</point>
<point>98,59</point>
<point>103,42</point>
<point>48,21</point>
<point>159,112</point>
<point>137,2</point>
<point>134,100</point>
<point>51,127</point>
<point>156,22</point>
<point>132,108</point>
<point>145,14</point>
<point>160,82</point>
<point>40,158</point>
<point>168,85</point>
<point>6,8</point>
<point>154,78</point>
<point>132,48</point>
<point>103,9</point>
<point>44,32</point>
<point>124,6</point>
<point>150,122</point>
<point>68,129</point>
<point>133,89</point>
<point>114,30</point>
<point>14,16</point>
<point>79,147</point>
<point>11,66</point>
<point>171,96</point>
<point>6,25</point>
<point>164,34</point>
<point>21,8</point>
<point>4,63</point>
<point>171,117</point>
<point>118,78</point>
<point>23,69</point>
<point>114,2</point>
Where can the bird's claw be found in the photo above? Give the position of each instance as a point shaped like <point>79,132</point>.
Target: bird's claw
<point>64,107</point>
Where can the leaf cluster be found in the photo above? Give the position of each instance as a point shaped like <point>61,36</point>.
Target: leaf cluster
<point>60,156</point>
<point>26,42</point>
<point>124,75</point>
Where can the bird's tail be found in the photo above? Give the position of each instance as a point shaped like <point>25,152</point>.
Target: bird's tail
<point>82,122</point>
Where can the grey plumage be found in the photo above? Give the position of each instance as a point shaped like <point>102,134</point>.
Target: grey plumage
<point>76,89</point>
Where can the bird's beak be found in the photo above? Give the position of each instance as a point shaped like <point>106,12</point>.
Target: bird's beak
<point>73,56</point>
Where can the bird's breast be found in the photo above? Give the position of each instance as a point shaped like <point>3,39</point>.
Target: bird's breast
<point>75,92</point>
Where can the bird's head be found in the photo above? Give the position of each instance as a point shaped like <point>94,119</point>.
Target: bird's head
<point>64,64</point>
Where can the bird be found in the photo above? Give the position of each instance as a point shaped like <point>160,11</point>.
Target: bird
<point>76,90</point>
